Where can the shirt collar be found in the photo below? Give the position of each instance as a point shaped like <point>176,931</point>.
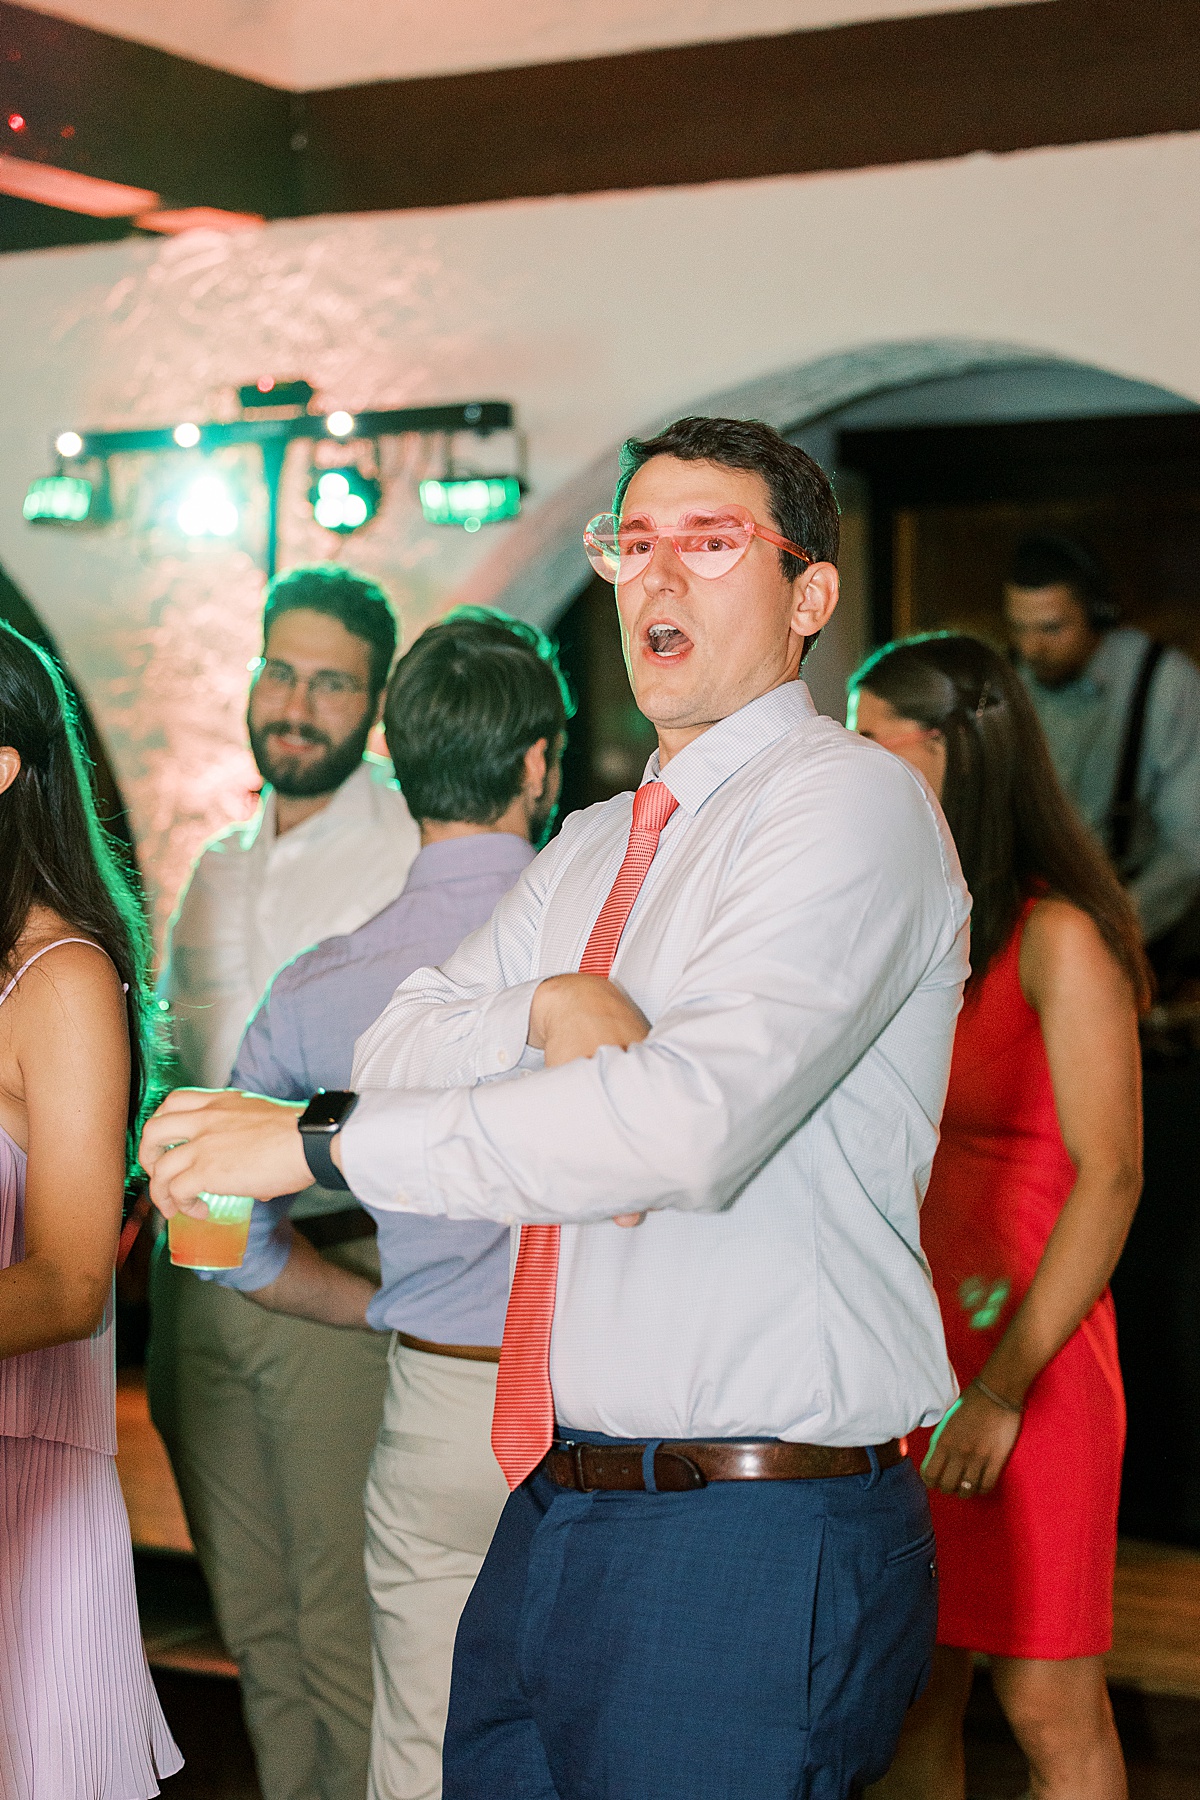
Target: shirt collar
<point>349,802</point>
<point>480,853</point>
<point>709,760</point>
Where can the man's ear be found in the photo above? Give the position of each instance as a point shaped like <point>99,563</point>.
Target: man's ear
<point>815,594</point>
<point>10,766</point>
<point>536,769</point>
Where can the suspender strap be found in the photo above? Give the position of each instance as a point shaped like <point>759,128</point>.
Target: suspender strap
<point>1123,810</point>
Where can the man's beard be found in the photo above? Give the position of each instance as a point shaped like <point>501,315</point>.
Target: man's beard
<point>542,818</point>
<point>307,781</point>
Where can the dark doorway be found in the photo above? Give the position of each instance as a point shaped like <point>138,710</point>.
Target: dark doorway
<point>16,611</point>
<point>948,503</point>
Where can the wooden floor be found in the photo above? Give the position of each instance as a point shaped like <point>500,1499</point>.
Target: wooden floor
<point>1156,1641</point>
<point>1156,1648</point>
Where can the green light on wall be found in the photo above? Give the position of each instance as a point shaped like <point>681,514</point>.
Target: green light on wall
<point>470,501</point>
<point>58,500</point>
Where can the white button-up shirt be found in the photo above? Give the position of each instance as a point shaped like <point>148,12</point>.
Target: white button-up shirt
<point>254,900</point>
<point>799,946</point>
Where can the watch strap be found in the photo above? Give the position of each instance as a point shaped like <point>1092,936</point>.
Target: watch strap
<point>317,1154</point>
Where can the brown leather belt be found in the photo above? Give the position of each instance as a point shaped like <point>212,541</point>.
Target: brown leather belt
<point>680,1466</point>
<point>465,1352</point>
<point>326,1230</point>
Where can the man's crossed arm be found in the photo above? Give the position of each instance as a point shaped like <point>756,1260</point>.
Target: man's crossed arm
<point>221,1141</point>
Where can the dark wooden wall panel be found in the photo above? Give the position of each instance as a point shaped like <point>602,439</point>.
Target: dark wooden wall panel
<point>996,79</point>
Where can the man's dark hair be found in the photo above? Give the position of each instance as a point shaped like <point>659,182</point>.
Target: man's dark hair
<point>358,602</point>
<point>1044,559</point>
<point>462,708</point>
<point>802,499</point>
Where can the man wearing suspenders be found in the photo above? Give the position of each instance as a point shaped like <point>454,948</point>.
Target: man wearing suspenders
<point>1121,714</point>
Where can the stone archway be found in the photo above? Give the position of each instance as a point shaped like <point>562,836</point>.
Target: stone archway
<point>540,568</point>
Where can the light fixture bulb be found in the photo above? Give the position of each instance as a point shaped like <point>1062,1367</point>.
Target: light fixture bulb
<point>344,499</point>
<point>340,424</point>
<point>207,509</point>
<point>68,443</point>
<point>187,435</point>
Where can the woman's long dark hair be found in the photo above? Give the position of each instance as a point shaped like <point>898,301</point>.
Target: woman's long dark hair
<point>1015,829</point>
<point>53,849</point>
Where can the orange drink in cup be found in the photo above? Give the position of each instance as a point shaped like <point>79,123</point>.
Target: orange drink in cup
<point>217,1242</point>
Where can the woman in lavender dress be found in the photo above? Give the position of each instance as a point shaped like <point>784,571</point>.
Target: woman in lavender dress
<point>79,1718</point>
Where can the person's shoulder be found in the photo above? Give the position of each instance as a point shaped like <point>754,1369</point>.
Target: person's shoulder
<point>1062,947</point>
<point>221,859</point>
<point>820,757</point>
<point>234,839</point>
<point>1180,669</point>
<point>1057,931</point>
<point>66,971</point>
<point>378,778</point>
<point>376,798</point>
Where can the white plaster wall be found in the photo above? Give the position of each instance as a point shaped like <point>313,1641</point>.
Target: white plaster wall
<point>597,315</point>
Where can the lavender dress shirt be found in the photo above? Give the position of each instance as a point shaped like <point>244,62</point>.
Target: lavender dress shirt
<point>443,1280</point>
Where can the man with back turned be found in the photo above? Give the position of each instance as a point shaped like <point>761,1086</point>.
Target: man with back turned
<point>713,1576</point>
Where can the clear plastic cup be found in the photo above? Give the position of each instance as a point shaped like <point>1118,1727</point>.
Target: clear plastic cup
<point>217,1242</point>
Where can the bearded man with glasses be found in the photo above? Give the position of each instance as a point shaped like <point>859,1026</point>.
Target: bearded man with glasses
<point>730,1002</point>
<point>270,1421</point>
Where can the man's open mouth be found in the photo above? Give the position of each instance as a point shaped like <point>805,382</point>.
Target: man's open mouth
<point>667,640</point>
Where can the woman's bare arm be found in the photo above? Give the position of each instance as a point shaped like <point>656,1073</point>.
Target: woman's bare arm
<point>1089,1026</point>
<point>65,1060</point>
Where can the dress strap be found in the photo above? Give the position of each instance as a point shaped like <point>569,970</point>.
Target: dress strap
<point>38,954</point>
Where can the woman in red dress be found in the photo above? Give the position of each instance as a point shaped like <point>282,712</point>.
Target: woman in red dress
<point>1032,1192</point>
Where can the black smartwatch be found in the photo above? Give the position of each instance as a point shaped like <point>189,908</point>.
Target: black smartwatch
<point>320,1123</point>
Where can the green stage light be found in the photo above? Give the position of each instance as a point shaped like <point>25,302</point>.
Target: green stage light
<point>471,500</point>
<point>344,499</point>
<point>59,500</point>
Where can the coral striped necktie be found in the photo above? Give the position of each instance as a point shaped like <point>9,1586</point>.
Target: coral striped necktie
<point>523,1422</point>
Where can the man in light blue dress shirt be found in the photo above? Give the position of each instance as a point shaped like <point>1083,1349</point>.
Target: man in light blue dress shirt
<point>718,1584</point>
<point>474,716</point>
<point>1082,670</point>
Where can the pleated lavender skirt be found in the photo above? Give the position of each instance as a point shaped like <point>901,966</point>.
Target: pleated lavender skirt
<point>79,1717</point>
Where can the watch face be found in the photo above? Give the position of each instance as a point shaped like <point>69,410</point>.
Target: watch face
<point>327,1110</point>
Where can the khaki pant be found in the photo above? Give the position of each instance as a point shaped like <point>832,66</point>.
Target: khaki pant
<point>434,1495</point>
<point>270,1423</point>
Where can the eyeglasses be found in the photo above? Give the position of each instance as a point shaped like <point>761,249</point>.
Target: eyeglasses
<point>708,542</point>
<point>326,684</point>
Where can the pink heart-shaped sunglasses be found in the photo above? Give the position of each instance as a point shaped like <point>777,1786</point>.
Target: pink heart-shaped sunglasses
<point>708,542</point>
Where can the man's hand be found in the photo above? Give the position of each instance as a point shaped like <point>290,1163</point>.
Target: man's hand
<point>218,1141</point>
<point>970,1447</point>
<point>574,1015</point>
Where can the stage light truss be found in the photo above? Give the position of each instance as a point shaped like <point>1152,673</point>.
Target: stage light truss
<point>272,435</point>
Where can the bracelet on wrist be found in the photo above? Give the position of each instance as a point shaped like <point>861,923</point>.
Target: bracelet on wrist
<point>997,1399</point>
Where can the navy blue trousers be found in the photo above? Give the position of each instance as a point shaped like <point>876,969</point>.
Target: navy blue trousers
<point>752,1640</point>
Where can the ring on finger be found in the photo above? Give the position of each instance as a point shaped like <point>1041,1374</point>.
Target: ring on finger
<point>966,1487</point>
